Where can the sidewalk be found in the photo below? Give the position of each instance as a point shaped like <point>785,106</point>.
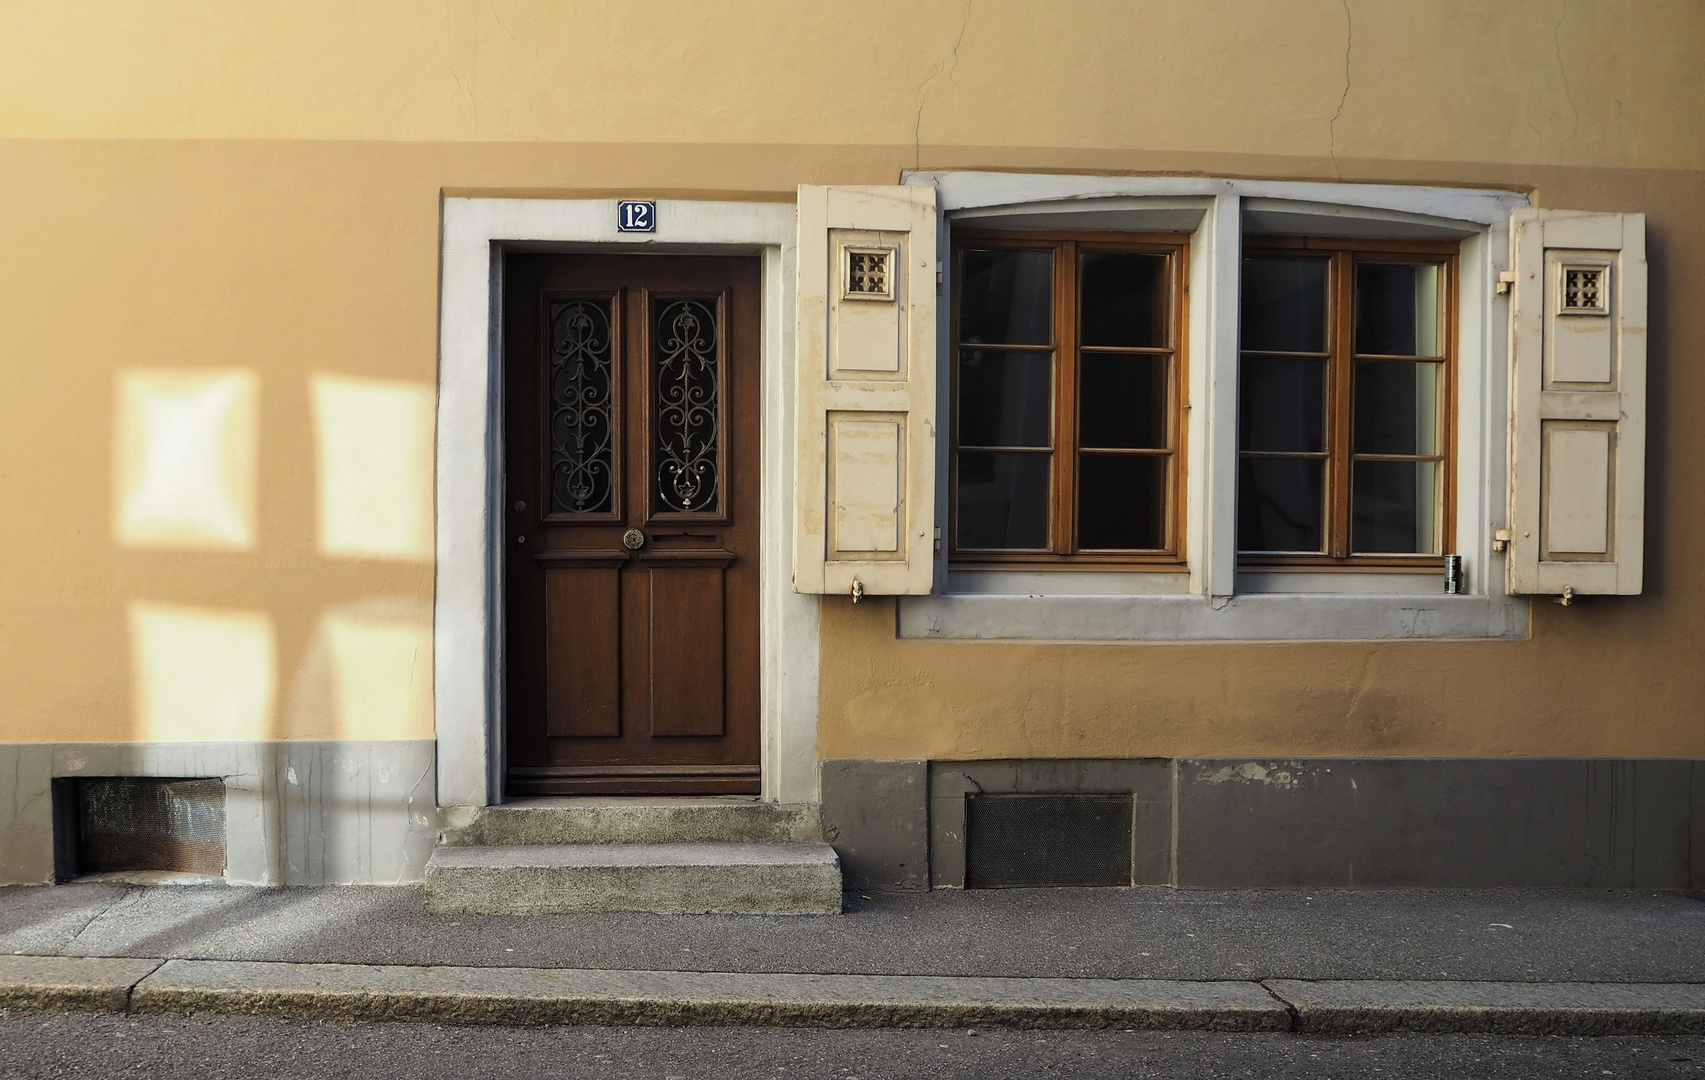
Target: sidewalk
<point>1510,961</point>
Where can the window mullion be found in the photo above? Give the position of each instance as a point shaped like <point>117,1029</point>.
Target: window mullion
<point>1342,369</point>
<point>1065,416</point>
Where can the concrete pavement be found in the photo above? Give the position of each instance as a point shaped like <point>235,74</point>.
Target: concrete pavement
<point>1518,961</point>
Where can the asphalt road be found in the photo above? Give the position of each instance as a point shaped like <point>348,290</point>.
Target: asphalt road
<point>70,1045</point>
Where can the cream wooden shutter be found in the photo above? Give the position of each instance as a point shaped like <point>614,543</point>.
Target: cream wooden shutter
<point>1578,402</point>
<point>864,489</point>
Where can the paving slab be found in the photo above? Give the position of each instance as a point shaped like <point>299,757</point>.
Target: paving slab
<point>1505,1008</point>
<point>611,997</point>
<point>62,982</point>
<point>1516,935</point>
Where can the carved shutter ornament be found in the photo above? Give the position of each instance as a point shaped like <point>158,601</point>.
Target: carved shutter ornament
<point>867,273</point>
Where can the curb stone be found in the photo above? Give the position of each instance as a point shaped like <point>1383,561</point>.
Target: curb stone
<point>1502,1008</point>
<point>90,984</point>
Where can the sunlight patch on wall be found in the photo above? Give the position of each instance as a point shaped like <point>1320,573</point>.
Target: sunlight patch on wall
<point>374,441</point>
<point>381,669</point>
<point>201,674</point>
<point>185,458</point>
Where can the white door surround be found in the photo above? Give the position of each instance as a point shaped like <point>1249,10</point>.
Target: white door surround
<point>467,613</point>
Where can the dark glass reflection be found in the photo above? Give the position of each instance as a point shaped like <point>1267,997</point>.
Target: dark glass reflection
<point>1282,404</point>
<point>1121,501</point>
<point>1397,407</point>
<point>1003,500</point>
<point>1284,303</point>
<point>1391,507</point>
<point>1005,398</point>
<point>1122,401</point>
<point>1279,504</point>
<point>1124,299</point>
<point>1006,297</point>
<point>1397,309</point>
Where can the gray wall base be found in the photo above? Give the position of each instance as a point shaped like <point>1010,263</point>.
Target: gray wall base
<point>297,813</point>
<point>1593,823</point>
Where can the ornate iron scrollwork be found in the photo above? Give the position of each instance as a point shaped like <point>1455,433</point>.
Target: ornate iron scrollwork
<point>685,389</point>
<point>582,466</point>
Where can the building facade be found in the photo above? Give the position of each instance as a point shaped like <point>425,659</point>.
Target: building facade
<point>1225,444</point>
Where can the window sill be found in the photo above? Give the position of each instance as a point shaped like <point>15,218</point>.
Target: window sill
<point>1250,617</point>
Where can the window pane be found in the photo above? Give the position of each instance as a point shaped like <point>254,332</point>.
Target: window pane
<point>1005,398</point>
<point>1006,297</point>
<point>1393,506</point>
<point>1397,407</point>
<point>1121,501</point>
<point>1003,500</point>
<point>1282,404</point>
<point>1122,401</point>
<point>1397,309</point>
<point>1284,304</point>
<point>1280,505</point>
<point>1124,297</point>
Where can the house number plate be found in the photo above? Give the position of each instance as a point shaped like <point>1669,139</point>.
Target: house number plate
<point>632,215</point>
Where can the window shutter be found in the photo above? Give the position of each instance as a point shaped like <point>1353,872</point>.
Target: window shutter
<point>1578,402</point>
<point>864,490</point>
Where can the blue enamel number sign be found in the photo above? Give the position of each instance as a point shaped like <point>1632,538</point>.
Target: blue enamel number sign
<point>632,215</point>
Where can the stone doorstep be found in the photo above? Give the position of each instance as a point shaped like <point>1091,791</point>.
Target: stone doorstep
<point>630,820</point>
<point>675,878</point>
<point>565,996</point>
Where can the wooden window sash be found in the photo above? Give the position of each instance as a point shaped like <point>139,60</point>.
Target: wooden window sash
<point>1341,357</point>
<point>1064,439</point>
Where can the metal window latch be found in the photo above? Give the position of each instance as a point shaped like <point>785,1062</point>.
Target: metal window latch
<point>857,590</point>
<point>1501,541</point>
<point>1506,282</point>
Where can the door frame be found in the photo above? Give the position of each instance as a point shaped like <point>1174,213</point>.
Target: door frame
<point>468,648</point>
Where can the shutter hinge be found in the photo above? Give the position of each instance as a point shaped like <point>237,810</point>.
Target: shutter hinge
<point>939,279</point>
<point>938,539</point>
<point>1506,282</point>
<point>1501,540</point>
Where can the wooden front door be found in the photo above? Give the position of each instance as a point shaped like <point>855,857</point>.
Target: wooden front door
<point>631,523</point>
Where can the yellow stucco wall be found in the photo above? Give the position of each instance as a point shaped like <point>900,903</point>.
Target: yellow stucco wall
<point>235,207</point>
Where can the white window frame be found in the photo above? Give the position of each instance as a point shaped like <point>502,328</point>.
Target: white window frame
<point>1212,600</point>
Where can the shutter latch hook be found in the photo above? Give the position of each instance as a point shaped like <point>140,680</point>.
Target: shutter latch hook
<point>857,590</point>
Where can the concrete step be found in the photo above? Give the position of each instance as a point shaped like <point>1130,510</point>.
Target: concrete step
<point>631,821</point>
<point>672,878</point>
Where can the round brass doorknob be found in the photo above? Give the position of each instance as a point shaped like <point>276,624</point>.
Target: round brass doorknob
<point>633,539</point>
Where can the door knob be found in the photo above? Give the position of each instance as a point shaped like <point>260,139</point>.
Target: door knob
<point>633,539</point>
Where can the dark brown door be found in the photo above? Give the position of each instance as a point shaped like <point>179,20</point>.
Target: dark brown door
<point>631,514</point>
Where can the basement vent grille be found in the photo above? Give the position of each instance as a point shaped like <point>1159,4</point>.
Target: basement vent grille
<point>1037,841</point>
<point>150,823</point>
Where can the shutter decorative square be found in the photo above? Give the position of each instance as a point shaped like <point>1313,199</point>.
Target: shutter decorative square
<point>1578,403</point>
<point>864,487</point>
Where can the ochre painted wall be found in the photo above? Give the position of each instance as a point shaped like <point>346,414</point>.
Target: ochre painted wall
<point>254,190</point>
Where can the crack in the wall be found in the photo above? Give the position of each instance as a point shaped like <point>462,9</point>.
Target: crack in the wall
<point>948,64</point>
<point>1563,72</point>
<point>1332,125</point>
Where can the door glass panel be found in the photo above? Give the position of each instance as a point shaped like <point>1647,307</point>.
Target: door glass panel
<point>686,427</point>
<point>1124,298</point>
<point>1003,500</point>
<point>1284,304</point>
<point>1397,407</point>
<point>1122,401</point>
<point>1006,297</point>
<point>1281,404</point>
<point>1397,309</point>
<point>1394,507</point>
<point>1280,505</point>
<point>1006,398</point>
<point>1122,501</point>
<point>581,384</point>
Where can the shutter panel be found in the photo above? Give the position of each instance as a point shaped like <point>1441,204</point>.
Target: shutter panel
<point>1578,402</point>
<point>864,489</point>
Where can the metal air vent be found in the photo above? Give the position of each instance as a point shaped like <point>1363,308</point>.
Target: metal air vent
<point>1037,841</point>
<point>149,823</point>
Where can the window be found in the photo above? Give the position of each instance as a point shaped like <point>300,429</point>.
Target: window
<point>1344,383</point>
<point>1067,407</point>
